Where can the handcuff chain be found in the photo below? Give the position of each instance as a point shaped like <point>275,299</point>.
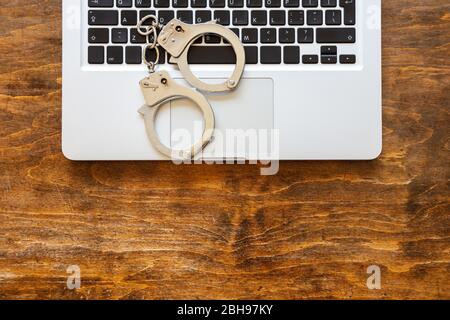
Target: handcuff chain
<point>150,30</point>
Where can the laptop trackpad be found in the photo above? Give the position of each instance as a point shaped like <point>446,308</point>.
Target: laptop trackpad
<point>240,114</point>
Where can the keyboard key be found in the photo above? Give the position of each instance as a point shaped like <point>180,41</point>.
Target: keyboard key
<point>124,3</point>
<point>314,17</point>
<point>254,3</point>
<point>270,55</point>
<point>136,37</point>
<point>133,55</point>
<point>268,35</point>
<point>96,55</point>
<point>277,17</point>
<point>98,35</point>
<point>310,3</point>
<point>291,3</point>
<point>186,16</point>
<point>128,17</point>
<point>220,55</point>
<point>328,3</point>
<point>328,60</point>
<point>212,38</point>
<point>305,35</point>
<point>150,55</point>
<point>222,17</point>
<point>217,3</point>
<point>202,16</point>
<point>251,54</point>
<point>101,3</point>
<point>296,17</point>
<point>119,35</point>
<point>286,35</point>
<point>328,50</point>
<point>114,55</point>
<point>211,55</point>
<point>249,35</point>
<point>240,17</point>
<point>310,59</point>
<point>349,11</point>
<point>103,17</point>
<point>333,17</point>
<point>162,3</point>
<point>199,40</point>
<point>180,3</point>
<point>235,3</point>
<point>144,13</point>
<point>259,17</point>
<point>347,59</point>
<point>143,3</point>
<point>164,16</point>
<point>291,54</point>
<point>272,3</point>
<point>236,32</point>
<point>336,35</point>
<point>198,3</point>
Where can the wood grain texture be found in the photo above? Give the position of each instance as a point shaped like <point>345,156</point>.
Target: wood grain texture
<point>160,231</point>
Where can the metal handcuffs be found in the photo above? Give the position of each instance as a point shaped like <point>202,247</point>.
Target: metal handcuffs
<point>159,88</point>
<point>176,38</point>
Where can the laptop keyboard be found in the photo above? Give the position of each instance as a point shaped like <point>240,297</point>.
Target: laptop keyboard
<point>272,31</point>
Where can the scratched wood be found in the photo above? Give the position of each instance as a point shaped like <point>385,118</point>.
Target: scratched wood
<point>160,231</point>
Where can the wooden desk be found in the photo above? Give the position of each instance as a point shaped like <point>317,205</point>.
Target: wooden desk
<point>160,231</point>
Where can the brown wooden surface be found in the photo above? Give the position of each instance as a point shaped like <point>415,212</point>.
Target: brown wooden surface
<point>160,231</point>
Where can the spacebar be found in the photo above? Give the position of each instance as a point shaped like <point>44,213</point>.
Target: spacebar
<point>211,55</point>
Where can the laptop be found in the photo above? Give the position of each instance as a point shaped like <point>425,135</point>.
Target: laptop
<point>311,89</point>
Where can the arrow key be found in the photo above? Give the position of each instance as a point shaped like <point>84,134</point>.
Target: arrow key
<point>347,59</point>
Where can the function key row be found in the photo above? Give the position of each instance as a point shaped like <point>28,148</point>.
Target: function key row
<point>224,17</point>
<point>219,55</point>
<point>346,4</point>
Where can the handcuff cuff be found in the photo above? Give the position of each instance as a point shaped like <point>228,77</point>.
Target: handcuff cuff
<point>158,87</point>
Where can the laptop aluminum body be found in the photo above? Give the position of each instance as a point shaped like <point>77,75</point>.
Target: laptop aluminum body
<point>319,111</point>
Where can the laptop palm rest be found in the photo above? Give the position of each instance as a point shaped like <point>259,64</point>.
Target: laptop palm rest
<point>241,117</point>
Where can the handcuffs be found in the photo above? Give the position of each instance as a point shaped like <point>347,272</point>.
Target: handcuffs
<point>158,87</point>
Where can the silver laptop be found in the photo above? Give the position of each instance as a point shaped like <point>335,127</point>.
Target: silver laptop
<point>311,88</point>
